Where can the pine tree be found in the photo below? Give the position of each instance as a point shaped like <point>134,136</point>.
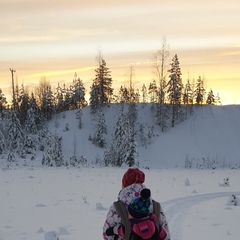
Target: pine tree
<point>210,97</point>
<point>33,118</point>
<point>28,146</point>
<point>94,100</point>
<point>200,91</point>
<point>14,132</point>
<point>114,156</point>
<point>188,98</point>
<point>78,93</point>
<point>217,100</point>
<point>174,88</point>
<point>2,138</point>
<point>53,151</point>
<point>101,129</point>
<point>124,95</point>
<point>142,136</point>
<point>47,106</point>
<point>153,92</point>
<point>59,99</point>
<point>122,149</point>
<point>144,93</point>
<point>129,146</point>
<point>68,99</point>
<point>162,116</point>
<point>102,84</point>
<point>3,102</point>
<point>79,115</point>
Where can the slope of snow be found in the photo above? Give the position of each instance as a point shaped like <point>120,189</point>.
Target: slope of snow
<point>212,133</point>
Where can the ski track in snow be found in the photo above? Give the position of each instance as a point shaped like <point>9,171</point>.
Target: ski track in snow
<point>177,209</point>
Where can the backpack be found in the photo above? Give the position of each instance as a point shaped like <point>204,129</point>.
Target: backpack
<point>140,229</point>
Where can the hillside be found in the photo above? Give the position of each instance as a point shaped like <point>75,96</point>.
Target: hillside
<point>211,133</point>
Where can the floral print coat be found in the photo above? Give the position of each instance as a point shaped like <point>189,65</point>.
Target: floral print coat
<point>127,195</point>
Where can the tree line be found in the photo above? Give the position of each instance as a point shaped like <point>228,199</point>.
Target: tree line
<point>25,125</point>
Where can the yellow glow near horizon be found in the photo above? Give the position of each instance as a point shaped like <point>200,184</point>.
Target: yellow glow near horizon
<point>62,72</point>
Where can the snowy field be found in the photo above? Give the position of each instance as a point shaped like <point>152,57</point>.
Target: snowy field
<point>40,203</point>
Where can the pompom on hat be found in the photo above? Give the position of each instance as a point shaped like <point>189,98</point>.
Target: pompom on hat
<point>139,208</point>
<point>133,175</point>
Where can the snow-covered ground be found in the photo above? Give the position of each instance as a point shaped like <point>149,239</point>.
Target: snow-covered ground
<point>40,203</point>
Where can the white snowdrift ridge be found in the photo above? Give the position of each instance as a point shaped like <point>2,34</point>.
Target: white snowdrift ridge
<point>212,133</point>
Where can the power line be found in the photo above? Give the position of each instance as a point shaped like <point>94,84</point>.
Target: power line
<point>13,90</point>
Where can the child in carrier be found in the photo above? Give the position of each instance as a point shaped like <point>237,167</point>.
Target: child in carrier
<point>135,215</point>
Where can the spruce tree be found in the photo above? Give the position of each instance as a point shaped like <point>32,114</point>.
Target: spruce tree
<point>210,97</point>
<point>33,119</point>
<point>15,134</point>
<point>79,115</point>
<point>101,129</point>
<point>59,99</point>
<point>2,138</point>
<point>114,156</point>
<point>199,91</point>
<point>53,151</point>
<point>102,90</point>
<point>174,88</point>
<point>78,93</point>
<point>3,102</point>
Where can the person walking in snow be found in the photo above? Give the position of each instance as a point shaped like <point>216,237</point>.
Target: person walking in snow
<point>130,195</point>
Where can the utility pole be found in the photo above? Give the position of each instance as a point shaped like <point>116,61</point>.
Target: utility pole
<point>13,89</point>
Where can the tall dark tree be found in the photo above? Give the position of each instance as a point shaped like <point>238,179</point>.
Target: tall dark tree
<point>188,98</point>
<point>103,90</point>
<point>2,138</point>
<point>94,100</point>
<point>3,102</point>
<point>153,92</point>
<point>68,99</point>
<point>59,99</point>
<point>47,107</point>
<point>79,115</point>
<point>124,95</point>
<point>78,93</point>
<point>210,97</point>
<point>199,91</point>
<point>174,88</point>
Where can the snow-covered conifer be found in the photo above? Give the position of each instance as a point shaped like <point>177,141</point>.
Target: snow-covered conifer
<point>101,129</point>
<point>15,134</point>
<point>79,115</point>
<point>53,151</point>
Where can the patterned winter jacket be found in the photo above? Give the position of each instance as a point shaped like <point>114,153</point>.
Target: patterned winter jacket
<point>127,195</point>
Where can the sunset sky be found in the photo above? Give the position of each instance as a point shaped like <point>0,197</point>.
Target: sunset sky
<point>57,38</point>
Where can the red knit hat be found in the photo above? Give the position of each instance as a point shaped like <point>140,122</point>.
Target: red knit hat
<point>133,175</point>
